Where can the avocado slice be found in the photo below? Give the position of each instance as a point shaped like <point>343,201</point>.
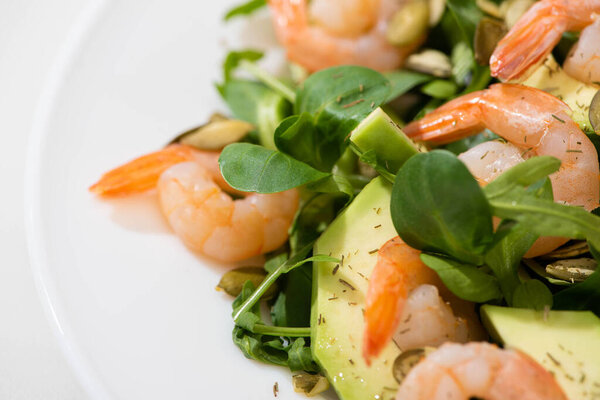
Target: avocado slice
<point>378,132</point>
<point>339,292</point>
<point>567,343</point>
<point>551,78</point>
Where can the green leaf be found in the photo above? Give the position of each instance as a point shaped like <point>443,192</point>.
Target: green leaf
<point>438,206</point>
<point>292,307</point>
<point>532,294</point>
<point>402,81</point>
<point>335,184</point>
<point>295,261</point>
<point>466,16</point>
<point>339,98</point>
<point>465,281</point>
<point>245,8</point>
<point>312,219</point>
<point>462,62</point>
<point>547,218</point>
<point>234,58</point>
<point>522,175</point>
<point>299,137</point>
<point>504,258</point>
<point>440,89</point>
<point>251,168</point>
<point>300,357</point>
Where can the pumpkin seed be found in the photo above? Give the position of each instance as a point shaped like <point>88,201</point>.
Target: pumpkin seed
<point>595,112</point>
<point>408,24</point>
<point>436,11</point>
<point>487,35</point>
<point>233,281</point>
<point>407,360</point>
<point>514,9</point>
<point>309,384</point>
<point>432,62</point>
<point>573,270</point>
<point>489,7</point>
<point>216,134</point>
<point>570,250</point>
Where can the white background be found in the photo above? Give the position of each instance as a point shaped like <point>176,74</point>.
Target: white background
<point>31,364</point>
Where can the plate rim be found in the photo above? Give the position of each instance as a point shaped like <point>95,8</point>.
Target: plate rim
<point>71,47</point>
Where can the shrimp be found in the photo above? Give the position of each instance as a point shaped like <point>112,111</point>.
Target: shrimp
<point>481,370</point>
<point>536,33</point>
<point>193,198</point>
<point>534,123</point>
<point>391,308</point>
<point>338,32</point>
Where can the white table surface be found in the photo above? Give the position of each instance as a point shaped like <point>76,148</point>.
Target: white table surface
<point>31,363</point>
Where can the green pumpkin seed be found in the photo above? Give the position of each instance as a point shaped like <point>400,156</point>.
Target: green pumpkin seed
<point>514,9</point>
<point>487,35</point>
<point>309,384</point>
<point>408,24</point>
<point>216,134</point>
<point>407,360</point>
<point>432,62</point>
<point>570,250</point>
<point>595,112</point>
<point>573,270</point>
<point>233,281</point>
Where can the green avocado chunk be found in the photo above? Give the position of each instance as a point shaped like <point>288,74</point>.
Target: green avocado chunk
<point>378,132</point>
<point>551,78</point>
<point>567,343</point>
<point>339,292</point>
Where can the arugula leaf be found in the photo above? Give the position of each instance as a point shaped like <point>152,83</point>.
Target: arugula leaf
<point>251,168</point>
<point>275,84</point>
<point>339,98</point>
<point>294,262</point>
<point>438,206</point>
<point>532,294</point>
<point>266,345</point>
<point>504,258</point>
<point>299,137</point>
<point>234,58</point>
<point>245,8</point>
<point>292,307</point>
<point>402,81</point>
<point>465,281</point>
<point>300,357</point>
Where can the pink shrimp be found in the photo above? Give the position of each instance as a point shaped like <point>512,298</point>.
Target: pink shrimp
<point>536,33</point>
<point>338,32</point>
<point>534,122</point>
<point>482,370</point>
<point>191,193</point>
<point>400,289</point>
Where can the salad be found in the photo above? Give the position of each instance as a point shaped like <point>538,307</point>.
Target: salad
<point>417,198</point>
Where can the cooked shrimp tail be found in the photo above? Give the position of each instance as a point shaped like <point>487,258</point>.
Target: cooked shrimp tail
<point>536,33</point>
<point>533,122</point>
<point>388,289</point>
<point>479,370</point>
<point>404,292</point>
<point>142,173</point>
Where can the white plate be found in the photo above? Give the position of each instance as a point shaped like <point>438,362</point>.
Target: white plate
<point>136,313</point>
